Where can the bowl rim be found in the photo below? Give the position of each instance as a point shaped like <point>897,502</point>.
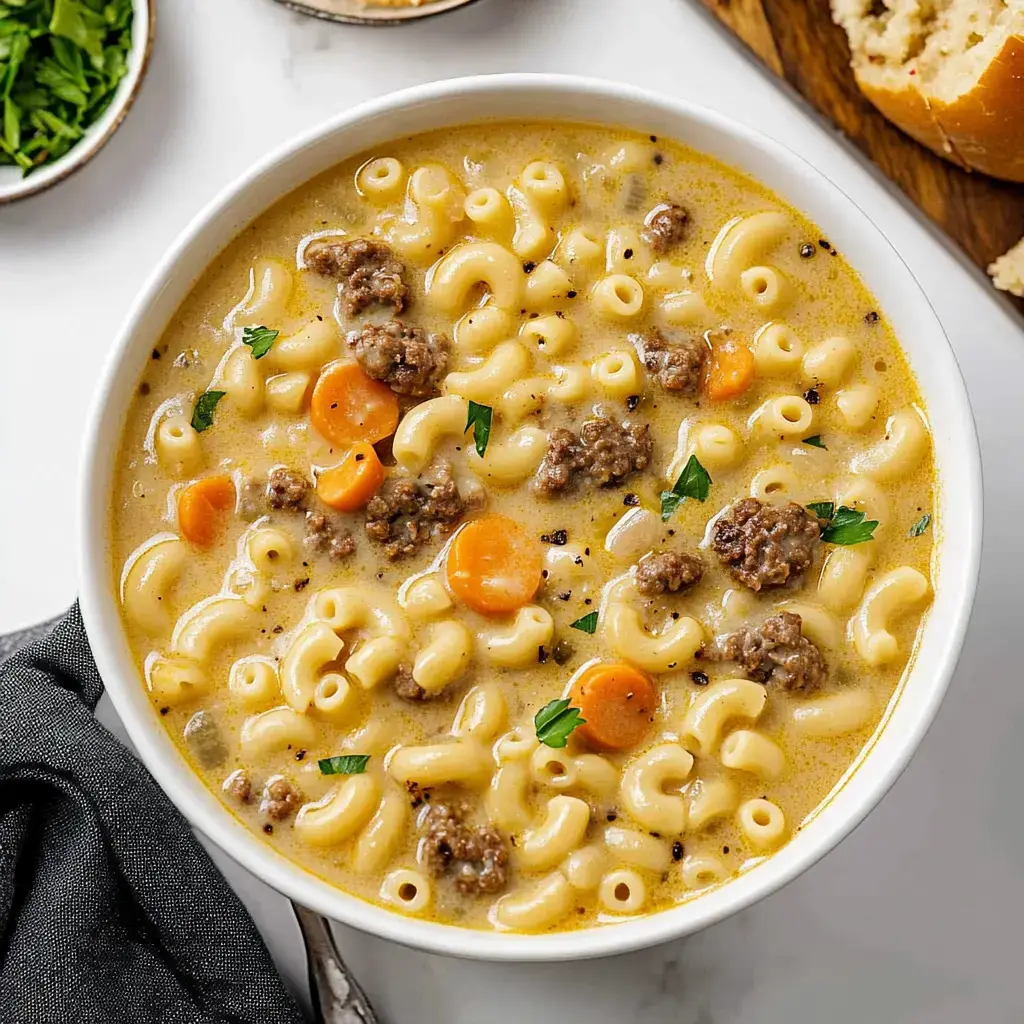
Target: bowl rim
<point>860,793</point>
<point>383,17</point>
<point>101,131</point>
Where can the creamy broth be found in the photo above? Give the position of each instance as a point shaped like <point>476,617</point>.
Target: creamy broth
<point>220,624</point>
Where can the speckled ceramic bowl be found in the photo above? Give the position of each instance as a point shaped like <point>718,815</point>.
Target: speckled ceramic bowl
<point>13,185</point>
<point>445,104</point>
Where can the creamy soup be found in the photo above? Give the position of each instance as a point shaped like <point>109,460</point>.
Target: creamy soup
<point>525,526</point>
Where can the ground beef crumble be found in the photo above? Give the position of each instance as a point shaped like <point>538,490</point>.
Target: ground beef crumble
<point>239,786</point>
<point>407,513</point>
<point>776,653</point>
<point>325,533</point>
<point>766,545</point>
<point>665,227</point>
<point>667,572</point>
<point>410,360</point>
<point>407,688</point>
<point>677,364</point>
<point>367,269</point>
<point>280,799</point>
<point>476,858</point>
<point>604,452</point>
<point>286,488</point>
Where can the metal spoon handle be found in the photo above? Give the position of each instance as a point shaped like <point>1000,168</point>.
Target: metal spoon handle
<point>337,997</point>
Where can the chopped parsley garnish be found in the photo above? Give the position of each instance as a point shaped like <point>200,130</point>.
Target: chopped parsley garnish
<point>586,624</point>
<point>555,722</point>
<point>344,764</point>
<point>693,482</point>
<point>202,414</point>
<point>823,509</point>
<point>259,340</point>
<point>815,441</point>
<point>480,420</point>
<point>921,525</point>
<point>60,64</point>
<point>848,526</point>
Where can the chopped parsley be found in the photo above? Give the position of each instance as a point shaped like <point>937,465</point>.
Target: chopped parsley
<point>848,527</point>
<point>556,721</point>
<point>815,441</point>
<point>693,482</point>
<point>823,509</point>
<point>344,764</point>
<point>60,64</point>
<point>586,624</point>
<point>479,419</point>
<point>259,340</point>
<point>202,414</point>
<point>921,525</point>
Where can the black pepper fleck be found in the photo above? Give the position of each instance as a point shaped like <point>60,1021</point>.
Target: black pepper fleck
<point>700,678</point>
<point>659,159</point>
<point>677,851</point>
<point>300,755</point>
<point>632,402</point>
<point>571,294</point>
<point>632,500</point>
<point>628,254</point>
<point>542,655</point>
<point>529,266</point>
<point>163,711</point>
<point>811,396</point>
<point>807,251</point>
<point>268,828</point>
<point>871,318</point>
<point>156,354</point>
<point>558,538</point>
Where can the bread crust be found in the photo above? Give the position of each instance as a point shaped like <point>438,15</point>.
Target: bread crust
<point>983,130</point>
<point>986,126</point>
<point>912,113</point>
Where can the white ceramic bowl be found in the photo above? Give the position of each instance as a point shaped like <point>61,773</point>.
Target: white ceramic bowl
<point>442,104</point>
<point>14,186</point>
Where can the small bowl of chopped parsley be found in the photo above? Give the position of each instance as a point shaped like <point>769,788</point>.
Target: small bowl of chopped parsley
<point>69,71</point>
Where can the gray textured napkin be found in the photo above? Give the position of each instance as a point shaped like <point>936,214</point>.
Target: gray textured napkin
<point>110,910</point>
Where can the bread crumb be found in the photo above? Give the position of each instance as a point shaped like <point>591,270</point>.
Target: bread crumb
<point>1008,271</point>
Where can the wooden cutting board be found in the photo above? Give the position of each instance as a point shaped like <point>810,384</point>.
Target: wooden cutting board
<point>798,41</point>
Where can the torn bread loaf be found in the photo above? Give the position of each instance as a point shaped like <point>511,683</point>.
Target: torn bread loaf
<point>950,73</point>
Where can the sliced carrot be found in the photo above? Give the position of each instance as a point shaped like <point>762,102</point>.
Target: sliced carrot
<point>618,703</point>
<point>352,482</point>
<point>731,371</point>
<point>201,508</point>
<point>494,565</point>
<point>348,407</point>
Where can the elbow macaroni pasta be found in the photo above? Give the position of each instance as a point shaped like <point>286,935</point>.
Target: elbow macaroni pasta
<point>413,668</point>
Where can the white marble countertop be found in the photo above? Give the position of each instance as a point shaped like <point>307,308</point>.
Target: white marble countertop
<point>915,919</point>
